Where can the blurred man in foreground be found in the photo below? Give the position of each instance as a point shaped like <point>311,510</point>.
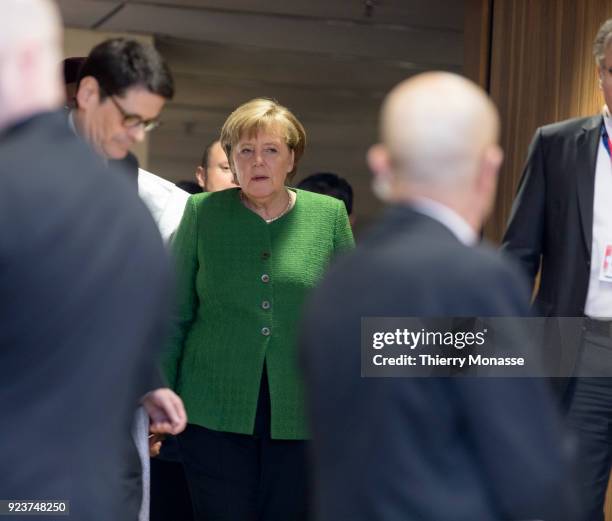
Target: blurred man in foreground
<point>84,289</point>
<point>428,448</point>
<point>122,87</point>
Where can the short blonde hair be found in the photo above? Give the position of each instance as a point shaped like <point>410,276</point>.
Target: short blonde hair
<point>263,114</point>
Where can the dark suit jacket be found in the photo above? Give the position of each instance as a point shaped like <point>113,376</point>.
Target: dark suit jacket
<point>128,166</point>
<point>552,215</point>
<point>83,300</point>
<point>424,448</point>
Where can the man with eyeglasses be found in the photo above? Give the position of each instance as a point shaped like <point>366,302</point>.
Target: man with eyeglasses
<point>122,88</point>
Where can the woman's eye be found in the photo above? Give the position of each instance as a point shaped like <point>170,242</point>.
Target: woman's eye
<point>245,151</point>
<point>272,150</point>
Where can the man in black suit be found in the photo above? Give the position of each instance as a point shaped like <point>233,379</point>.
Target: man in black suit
<point>84,286</point>
<point>121,89</point>
<point>428,448</point>
<point>561,222</point>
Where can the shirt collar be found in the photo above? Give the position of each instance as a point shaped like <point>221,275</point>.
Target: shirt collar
<point>447,217</point>
<point>607,117</point>
<point>71,122</point>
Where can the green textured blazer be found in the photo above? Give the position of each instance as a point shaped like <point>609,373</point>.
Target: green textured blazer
<point>241,286</point>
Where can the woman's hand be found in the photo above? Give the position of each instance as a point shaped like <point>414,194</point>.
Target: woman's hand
<point>166,411</point>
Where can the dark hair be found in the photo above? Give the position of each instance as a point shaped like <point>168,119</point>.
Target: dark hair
<point>72,68</point>
<point>204,163</point>
<point>329,184</point>
<point>189,186</point>
<point>118,64</point>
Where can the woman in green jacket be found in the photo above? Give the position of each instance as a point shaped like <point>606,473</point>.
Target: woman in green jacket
<point>246,260</point>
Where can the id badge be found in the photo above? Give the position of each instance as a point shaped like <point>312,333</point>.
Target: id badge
<point>605,272</point>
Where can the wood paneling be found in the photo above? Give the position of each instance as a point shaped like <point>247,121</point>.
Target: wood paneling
<point>435,48</point>
<point>476,41</point>
<point>419,13</point>
<point>542,70</point>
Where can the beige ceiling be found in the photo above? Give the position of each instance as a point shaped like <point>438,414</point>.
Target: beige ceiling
<point>327,60</point>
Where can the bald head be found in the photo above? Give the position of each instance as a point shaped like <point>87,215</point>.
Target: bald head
<point>436,127</point>
<point>439,142</point>
<point>30,39</point>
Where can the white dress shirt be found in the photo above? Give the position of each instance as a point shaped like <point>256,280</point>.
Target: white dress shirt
<point>165,201</point>
<point>599,295</point>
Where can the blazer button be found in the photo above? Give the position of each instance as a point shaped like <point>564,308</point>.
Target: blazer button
<point>265,255</point>
<point>265,331</point>
<point>265,278</point>
<point>265,304</point>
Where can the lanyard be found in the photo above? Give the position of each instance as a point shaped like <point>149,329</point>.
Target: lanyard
<point>606,140</point>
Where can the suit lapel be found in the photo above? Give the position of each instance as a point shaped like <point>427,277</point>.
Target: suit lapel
<point>586,159</point>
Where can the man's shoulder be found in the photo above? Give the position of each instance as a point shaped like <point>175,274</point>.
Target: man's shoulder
<point>570,127</point>
<point>496,263</point>
<point>159,193</point>
<point>460,264</point>
<point>415,248</point>
<point>151,183</point>
<point>42,155</point>
<point>44,132</point>
<point>164,199</point>
<point>487,280</point>
<point>47,166</point>
<point>409,274</point>
<point>423,251</point>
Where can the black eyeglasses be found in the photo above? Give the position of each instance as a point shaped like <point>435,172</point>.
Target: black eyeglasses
<point>134,120</point>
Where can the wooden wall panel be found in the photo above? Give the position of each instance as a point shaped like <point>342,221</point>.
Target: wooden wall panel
<point>542,70</point>
<point>476,40</point>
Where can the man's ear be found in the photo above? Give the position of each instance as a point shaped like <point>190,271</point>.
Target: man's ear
<point>380,164</point>
<point>378,160</point>
<point>200,175</point>
<point>88,93</point>
<point>600,72</point>
<point>488,172</point>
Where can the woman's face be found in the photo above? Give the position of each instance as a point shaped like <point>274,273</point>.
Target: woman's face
<point>262,163</point>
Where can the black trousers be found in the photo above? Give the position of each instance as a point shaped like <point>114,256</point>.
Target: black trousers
<point>170,500</point>
<point>237,477</point>
<point>590,420</point>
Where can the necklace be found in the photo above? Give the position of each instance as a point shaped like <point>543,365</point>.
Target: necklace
<point>246,203</point>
